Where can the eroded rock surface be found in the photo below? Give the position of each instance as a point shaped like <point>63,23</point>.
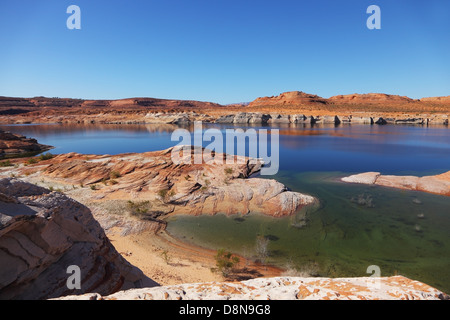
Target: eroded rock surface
<point>285,288</point>
<point>188,188</point>
<point>285,108</point>
<point>42,233</point>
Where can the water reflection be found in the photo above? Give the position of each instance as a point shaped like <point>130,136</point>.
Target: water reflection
<point>303,147</point>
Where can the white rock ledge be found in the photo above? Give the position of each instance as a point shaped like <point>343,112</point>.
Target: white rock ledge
<point>284,288</point>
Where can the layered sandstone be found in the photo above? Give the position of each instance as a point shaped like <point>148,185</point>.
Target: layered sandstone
<point>438,184</point>
<point>370,98</point>
<point>360,108</point>
<point>289,98</point>
<point>42,233</point>
<point>211,187</point>
<point>284,288</point>
<point>130,103</point>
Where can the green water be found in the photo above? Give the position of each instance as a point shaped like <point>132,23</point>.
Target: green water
<point>342,237</point>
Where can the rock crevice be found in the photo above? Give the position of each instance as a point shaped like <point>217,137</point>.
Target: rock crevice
<point>37,248</point>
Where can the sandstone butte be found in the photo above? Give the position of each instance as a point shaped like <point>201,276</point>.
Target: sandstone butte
<point>208,188</point>
<point>352,108</point>
<point>438,184</point>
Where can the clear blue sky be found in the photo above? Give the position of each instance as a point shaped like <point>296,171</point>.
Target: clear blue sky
<point>223,50</point>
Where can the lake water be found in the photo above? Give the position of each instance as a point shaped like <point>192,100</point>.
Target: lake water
<point>402,232</point>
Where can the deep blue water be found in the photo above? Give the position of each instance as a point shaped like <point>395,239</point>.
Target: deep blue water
<point>356,148</point>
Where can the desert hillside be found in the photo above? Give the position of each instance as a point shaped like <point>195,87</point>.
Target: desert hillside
<point>288,102</point>
<point>386,104</point>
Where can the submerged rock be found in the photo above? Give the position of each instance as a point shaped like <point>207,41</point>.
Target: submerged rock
<point>363,200</point>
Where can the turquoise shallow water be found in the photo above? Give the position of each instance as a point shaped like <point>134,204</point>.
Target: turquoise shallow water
<point>403,232</point>
<point>341,238</point>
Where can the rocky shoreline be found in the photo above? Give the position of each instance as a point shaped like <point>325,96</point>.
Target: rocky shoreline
<point>260,118</point>
<point>438,184</point>
<point>13,145</point>
<point>284,288</point>
<point>185,118</point>
<point>168,187</point>
<point>293,107</point>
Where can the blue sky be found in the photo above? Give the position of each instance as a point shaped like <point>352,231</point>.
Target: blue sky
<point>223,51</point>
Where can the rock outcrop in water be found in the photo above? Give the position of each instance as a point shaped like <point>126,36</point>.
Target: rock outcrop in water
<point>42,233</point>
<point>439,184</point>
<point>285,288</point>
<point>188,188</point>
<point>15,145</point>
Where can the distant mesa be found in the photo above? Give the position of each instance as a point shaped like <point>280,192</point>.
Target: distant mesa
<point>354,108</point>
<point>370,98</point>
<point>302,98</point>
<point>289,98</point>
<point>40,102</point>
<point>445,99</point>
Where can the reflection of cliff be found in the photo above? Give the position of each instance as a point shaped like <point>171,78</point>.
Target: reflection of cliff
<point>53,129</point>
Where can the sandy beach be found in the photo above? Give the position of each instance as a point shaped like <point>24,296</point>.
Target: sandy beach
<point>169,261</point>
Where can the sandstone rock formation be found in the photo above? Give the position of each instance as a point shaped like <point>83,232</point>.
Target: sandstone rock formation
<point>207,188</point>
<point>14,144</point>
<point>370,98</point>
<point>284,288</point>
<point>42,233</point>
<point>353,108</point>
<point>439,184</point>
<point>289,98</point>
<point>393,108</point>
<point>131,103</point>
<point>445,99</point>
